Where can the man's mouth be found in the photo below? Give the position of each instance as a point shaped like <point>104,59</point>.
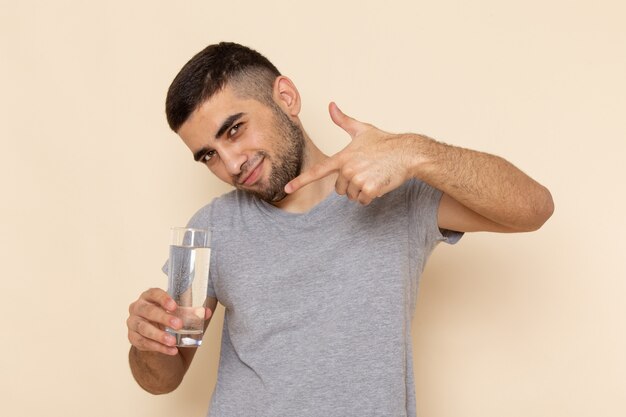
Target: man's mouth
<point>251,176</point>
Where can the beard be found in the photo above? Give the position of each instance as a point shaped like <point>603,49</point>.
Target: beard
<point>287,162</point>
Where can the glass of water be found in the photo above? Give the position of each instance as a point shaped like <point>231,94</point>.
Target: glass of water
<point>188,277</point>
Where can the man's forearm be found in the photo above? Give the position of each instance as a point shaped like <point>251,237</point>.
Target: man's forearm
<point>155,372</point>
<point>484,183</point>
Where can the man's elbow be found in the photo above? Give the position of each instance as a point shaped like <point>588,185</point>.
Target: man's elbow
<point>157,388</point>
<point>541,210</point>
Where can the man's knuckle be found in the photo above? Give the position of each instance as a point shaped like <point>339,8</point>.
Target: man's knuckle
<point>142,344</point>
<point>369,190</point>
<point>140,327</point>
<point>133,338</point>
<point>154,294</point>
<point>348,171</point>
<point>363,181</point>
<point>140,309</point>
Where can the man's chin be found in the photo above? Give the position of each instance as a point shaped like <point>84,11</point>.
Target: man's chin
<point>271,198</point>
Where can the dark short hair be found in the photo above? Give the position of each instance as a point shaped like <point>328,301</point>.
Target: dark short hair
<point>210,70</point>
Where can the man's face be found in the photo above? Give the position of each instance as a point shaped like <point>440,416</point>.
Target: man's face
<point>248,144</point>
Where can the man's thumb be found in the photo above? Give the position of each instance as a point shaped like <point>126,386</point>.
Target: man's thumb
<point>352,126</point>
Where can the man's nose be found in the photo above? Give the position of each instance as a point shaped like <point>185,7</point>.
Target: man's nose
<point>233,161</point>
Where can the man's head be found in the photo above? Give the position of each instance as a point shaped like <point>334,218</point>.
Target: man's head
<point>238,115</point>
<point>248,72</point>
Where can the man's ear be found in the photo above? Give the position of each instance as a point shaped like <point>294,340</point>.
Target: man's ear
<point>287,96</point>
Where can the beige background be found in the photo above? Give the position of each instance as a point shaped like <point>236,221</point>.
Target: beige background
<point>519,325</point>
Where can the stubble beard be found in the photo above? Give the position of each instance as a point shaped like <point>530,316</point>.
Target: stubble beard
<point>287,162</point>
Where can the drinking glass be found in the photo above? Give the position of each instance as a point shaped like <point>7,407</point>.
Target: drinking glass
<point>188,278</point>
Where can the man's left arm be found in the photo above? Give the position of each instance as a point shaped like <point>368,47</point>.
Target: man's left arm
<point>481,192</point>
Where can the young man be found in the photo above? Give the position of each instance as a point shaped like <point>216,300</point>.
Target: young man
<point>316,258</point>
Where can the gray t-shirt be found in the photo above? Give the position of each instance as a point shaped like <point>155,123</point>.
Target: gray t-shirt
<point>318,306</point>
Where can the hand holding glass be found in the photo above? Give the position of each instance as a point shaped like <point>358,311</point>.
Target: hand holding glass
<point>188,276</point>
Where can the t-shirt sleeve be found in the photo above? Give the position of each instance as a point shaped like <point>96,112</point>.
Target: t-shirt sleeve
<point>202,220</point>
<point>423,201</point>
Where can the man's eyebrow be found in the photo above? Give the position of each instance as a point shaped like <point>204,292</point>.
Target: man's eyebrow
<point>200,153</point>
<point>227,124</point>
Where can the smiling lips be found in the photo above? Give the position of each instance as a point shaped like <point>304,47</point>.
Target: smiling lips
<point>253,175</point>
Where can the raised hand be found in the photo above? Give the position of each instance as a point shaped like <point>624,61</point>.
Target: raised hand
<point>373,163</point>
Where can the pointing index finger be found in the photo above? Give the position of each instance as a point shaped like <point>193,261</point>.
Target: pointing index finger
<point>316,172</point>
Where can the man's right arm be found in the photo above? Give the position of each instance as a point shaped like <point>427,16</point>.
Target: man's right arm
<point>157,365</point>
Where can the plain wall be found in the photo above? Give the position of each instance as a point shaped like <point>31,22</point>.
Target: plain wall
<point>92,179</point>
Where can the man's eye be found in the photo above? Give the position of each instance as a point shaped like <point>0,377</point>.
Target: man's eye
<point>208,156</point>
<point>233,130</point>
